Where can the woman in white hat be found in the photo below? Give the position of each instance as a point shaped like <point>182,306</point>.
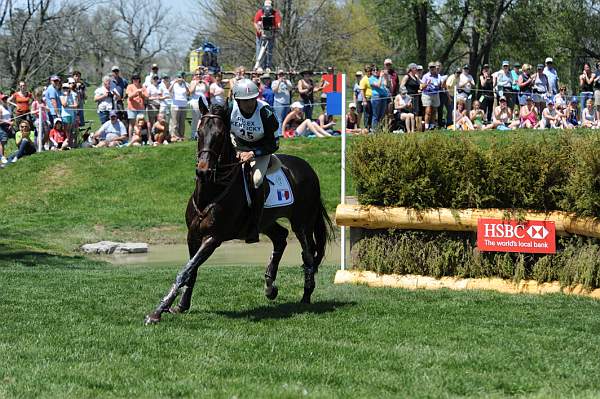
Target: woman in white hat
<point>295,124</point>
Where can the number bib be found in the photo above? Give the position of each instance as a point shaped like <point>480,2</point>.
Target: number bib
<point>247,129</point>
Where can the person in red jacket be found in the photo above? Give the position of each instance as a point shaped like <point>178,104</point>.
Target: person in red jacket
<point>266,22</point>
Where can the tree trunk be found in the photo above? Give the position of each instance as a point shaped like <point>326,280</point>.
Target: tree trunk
<point>421,10</point>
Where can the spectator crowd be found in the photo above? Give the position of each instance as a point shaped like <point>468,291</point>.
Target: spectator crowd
<point>154,110</point>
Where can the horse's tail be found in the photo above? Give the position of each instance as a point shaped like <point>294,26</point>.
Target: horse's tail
<point>324,233</point>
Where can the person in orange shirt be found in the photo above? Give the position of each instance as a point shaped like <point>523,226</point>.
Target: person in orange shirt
<point>136,97</point>
<point>22,98</point>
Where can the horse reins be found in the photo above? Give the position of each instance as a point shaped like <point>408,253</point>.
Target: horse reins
<point>228,176</point>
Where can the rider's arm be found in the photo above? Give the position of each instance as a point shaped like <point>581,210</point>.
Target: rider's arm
<point>269,143</point>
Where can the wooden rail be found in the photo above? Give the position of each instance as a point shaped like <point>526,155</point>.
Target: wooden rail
<point>444,219</point>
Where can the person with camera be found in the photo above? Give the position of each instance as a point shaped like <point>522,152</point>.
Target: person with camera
<point>282,90</point>
<point>103,98</point>
<point>179,90</point>
<point>118,85</point>
<point>79,88</point>
<point>137,95</point>
<point>267,21</point>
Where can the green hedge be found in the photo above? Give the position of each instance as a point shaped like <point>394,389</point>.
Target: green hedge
<point>518,170</point>
<point>455,254</point>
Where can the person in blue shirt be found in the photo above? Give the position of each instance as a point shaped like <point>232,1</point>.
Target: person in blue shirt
<point>52,98</point>
<point>380,82</point>
<point>267,92</point>
<point>118,85</point>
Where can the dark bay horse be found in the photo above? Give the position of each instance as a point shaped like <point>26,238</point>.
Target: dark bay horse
<point>218,211</point>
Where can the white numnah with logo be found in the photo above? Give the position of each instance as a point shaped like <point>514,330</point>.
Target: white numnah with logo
<point>280,193</point>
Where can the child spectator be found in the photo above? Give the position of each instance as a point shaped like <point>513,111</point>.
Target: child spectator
<point>58,136</point>
<point>24,140</point>
<point>36,105</point>
<point>160,131</point>
<point>477,115</point>
<point>529,114</point>
<point>141,132</point>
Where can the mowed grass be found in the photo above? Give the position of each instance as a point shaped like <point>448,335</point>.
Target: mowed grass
<point>58,201</point>
<point>74,328</point>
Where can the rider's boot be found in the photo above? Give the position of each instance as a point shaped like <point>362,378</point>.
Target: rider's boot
<point>256,210</point>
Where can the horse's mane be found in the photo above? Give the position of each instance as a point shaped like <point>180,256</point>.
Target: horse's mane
<point>221,111</point>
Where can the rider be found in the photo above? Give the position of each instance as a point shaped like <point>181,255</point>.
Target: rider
<point>253,133</point>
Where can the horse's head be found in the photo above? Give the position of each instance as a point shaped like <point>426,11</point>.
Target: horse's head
<point>213,140</point>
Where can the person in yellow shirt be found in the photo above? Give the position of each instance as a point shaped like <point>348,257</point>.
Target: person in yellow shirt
<point>367,93</point>
<point>24,140</point>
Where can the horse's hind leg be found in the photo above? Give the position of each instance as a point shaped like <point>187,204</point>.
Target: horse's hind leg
<point>308,258</point>
<point>278,235</point>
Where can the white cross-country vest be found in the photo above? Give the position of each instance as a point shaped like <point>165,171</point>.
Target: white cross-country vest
<point>250,129</point>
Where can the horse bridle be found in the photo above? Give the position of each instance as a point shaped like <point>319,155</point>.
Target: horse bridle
<point>213,152</point>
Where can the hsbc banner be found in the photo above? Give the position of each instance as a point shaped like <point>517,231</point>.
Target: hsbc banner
<point>531,236</point>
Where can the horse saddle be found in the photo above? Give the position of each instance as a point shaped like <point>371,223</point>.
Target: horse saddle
<point>279,189</point>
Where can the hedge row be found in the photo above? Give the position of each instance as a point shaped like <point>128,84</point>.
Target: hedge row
<point>539,171</point>
<point>455,254</point>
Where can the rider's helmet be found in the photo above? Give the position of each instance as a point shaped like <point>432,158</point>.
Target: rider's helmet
<point>245,89</point>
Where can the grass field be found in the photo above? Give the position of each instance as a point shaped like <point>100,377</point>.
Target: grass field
<point>61,200</point>
<point>73,327</point>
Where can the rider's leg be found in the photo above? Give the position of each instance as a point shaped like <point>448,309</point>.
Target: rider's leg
<point>259,168</point>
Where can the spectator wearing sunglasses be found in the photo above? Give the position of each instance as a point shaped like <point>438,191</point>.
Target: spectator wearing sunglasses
<point>24,140</point>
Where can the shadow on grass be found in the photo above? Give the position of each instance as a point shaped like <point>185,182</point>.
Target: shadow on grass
<point>11,256</point>
<point>285,310</point>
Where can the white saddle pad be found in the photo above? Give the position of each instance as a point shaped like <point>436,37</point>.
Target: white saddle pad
<point>280,193</point>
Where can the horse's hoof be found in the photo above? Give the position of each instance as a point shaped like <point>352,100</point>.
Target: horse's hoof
<point>271,293</point>
<point>305,300</point>
<point>177,310</point>
<point>152,319</point>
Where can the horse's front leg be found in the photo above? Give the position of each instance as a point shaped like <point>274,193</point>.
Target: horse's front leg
<point>209,244</point>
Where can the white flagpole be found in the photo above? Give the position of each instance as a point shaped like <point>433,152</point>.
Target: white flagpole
<point>454,106</point>
<point>343,165</point>
<point>40,130</point>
